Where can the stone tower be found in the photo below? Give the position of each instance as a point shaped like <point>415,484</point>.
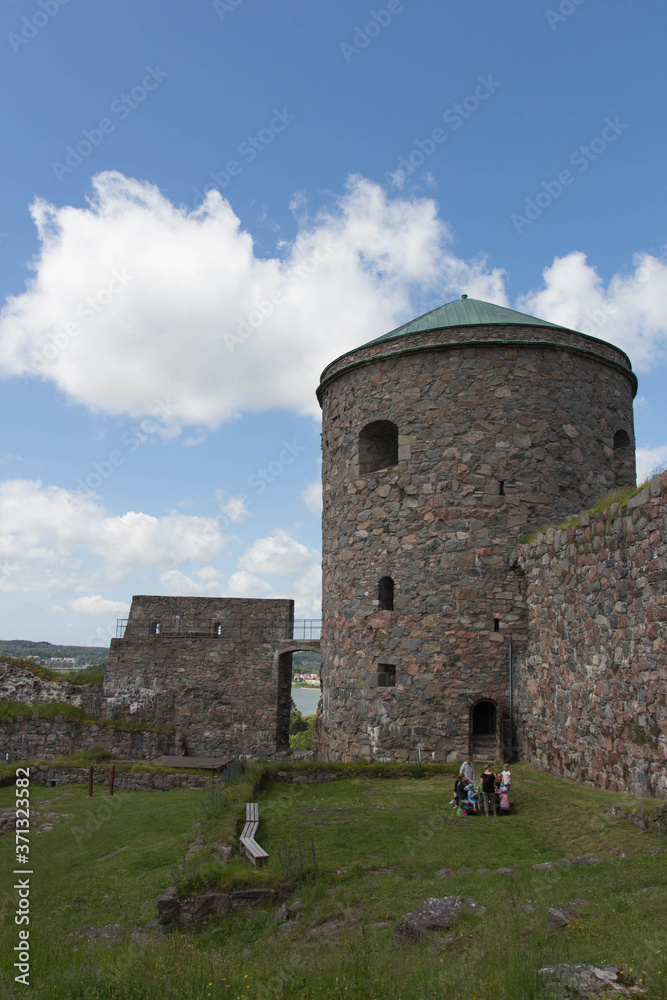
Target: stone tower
<point>444,443</point>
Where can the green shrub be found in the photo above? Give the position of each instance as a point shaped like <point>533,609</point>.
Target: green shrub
<point>303,738</point>
<point>44,709</point>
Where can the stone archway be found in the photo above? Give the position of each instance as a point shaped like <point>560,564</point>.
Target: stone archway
<point>484,729</point>
<point>283,654</point>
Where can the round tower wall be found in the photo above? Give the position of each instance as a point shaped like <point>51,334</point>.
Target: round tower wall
<point>494,438</point>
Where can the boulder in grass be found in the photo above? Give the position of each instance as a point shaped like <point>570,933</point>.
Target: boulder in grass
<point>443,873</point>
<point>168,906</point>
<point>437,913</point>
<point>561,915</point>
<point>589,980</point>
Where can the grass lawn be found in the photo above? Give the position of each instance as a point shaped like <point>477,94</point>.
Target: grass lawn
<point>378,844</point>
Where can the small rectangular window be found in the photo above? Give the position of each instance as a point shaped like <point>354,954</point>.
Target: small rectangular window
<point>496,624</point>
<point>386,675</point>
<point>156,628</point>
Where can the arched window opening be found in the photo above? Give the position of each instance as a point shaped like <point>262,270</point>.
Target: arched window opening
<point>386,675</point>
<point>386,594</point>
<point>624,460</point>
<point>378,446</point>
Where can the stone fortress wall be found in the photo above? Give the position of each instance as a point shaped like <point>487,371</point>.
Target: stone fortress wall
<point>591,695</point>
<point>207,666</point>
<point>442,450</point>
<point>29,737</point>
<point>499,428</point>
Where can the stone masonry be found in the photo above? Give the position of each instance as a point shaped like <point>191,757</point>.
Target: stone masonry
<point>592,691</point>
<point>30,737</point>
<point>500,427</point>
<point>19,684</point>
<point>445,444</point>
<point>210,667</point>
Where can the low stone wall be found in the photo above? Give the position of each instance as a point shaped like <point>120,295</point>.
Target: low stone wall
<point>591,693</point>
<point>29,737</point>
<point>19,684</point>
<point>138,781</point>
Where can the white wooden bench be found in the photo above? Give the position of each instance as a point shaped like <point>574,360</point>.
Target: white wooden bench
<point>249,845</point>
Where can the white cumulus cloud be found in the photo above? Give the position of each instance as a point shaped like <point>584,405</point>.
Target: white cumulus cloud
<point>244,584</point>
<point>46,531</point>
<point>178,286</point>
<point>312,497</point>
<point>650,460</point>
<point>631,312</point>
<point>95,604</point>
<point>233,508</point>
<point>178,584</point>
<point>278,554</point>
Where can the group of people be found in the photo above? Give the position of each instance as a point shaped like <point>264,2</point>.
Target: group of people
<point>490,788</point>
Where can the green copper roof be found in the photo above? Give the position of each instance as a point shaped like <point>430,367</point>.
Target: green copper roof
<point>463,312</point>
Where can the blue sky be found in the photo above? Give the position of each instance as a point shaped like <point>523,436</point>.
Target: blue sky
<point>202,205</point>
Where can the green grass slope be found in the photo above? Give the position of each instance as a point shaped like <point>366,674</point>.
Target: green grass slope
<point>378,844</point>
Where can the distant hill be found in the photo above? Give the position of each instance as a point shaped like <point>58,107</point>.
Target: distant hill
<point>305,660</point>
<point>47,651</point>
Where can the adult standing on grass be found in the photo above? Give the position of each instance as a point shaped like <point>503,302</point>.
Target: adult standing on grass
<point>489,789</point>
<point>468,770</point>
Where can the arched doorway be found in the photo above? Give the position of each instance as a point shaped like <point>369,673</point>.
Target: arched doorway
<point>484,730</point>
<point>300,658</point>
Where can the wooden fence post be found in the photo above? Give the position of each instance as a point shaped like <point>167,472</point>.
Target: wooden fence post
<point>90,782</point>
<point>111,779</point>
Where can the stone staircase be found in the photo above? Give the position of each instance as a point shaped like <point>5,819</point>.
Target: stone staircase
<point>485,748</point>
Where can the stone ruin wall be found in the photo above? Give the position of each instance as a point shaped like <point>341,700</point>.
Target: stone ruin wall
<point>540,418</point>
<point>17,683</point>
<point>29,737</point>
<point>591,696</point>
<point>223,693</point>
